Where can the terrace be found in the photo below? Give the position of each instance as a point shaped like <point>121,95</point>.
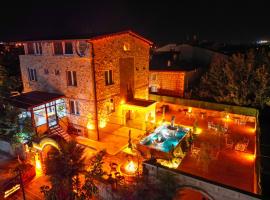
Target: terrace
<point>223,149</point>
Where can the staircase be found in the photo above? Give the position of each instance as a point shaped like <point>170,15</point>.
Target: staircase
<point>57,130</point>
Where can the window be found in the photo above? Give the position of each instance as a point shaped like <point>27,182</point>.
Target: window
<point>108,77</point>
<point>60,108</point>
<point>30,48</point>
<point>71,78</point>
<point>38,48</point>
<point>154,77</point>
<point>58,48</point>
<point>40,115</point>
<point>74,107</point>
<point>46,71</point>
<point>126,46</point>
<point>68,48</point>
<point>56,72</point>
<point>110,106</point>
<point>32,74</point>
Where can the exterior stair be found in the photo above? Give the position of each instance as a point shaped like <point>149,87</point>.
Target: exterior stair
<point>57,130</point>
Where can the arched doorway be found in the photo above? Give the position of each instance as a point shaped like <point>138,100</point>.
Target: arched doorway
<point>44,149</point>
<point>188,192</point>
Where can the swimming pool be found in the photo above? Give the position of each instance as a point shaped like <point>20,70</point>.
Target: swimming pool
<point>165,137</point>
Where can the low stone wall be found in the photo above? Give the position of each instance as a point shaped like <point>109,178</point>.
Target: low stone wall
<point>213,191</point>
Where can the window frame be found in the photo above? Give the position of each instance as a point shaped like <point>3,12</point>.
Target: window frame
<point>72,81</point>
<point>74,108</point>
<point>54,45</point>
<point>108,74</point>
<point>32,74</point>
<point>37,48</point>
<point>65,53</point>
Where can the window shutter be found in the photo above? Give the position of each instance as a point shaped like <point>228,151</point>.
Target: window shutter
<point>74,79</point>
<point>77,108</point>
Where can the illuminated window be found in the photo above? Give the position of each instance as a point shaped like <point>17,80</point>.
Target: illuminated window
<point>74,107</point>
<point>40,115</point>
<point>61,108</point>
<point>68,48</point>
<point>58,48</point>
<point>71,78</point>
<point>126,46</point>
<point>32,74</point>
<point>108,77</point>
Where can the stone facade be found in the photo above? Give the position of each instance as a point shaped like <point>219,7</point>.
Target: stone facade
<point>52,70</point>
<point>168,81</point>
<point>108,52</point>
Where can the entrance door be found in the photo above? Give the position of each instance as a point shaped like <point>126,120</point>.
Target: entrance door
<point>52,120</point>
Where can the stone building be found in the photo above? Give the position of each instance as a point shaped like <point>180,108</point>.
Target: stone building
<point>97,79</point>
<point>175,68</point>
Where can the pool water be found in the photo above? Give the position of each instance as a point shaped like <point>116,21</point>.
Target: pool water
<point>164,138</point>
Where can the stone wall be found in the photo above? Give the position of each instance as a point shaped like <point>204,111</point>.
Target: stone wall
<point>213,191</point>
<point>108,52</point>
<point>51,82</point>
<point>173,82</point>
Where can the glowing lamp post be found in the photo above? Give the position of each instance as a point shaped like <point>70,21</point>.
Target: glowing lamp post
<point>38,165</point>
<point>131,167</point>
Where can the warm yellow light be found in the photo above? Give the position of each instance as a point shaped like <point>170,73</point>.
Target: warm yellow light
<point>90,125</point>
<point>249,157</point>
<point>38,165</point>
<point>227,117</point>
<point>198,131</point>
<point>12,190</point>
<point>131,167</point>
<point>189,110</point>
<point>122,102</point>
<point>102,123</point>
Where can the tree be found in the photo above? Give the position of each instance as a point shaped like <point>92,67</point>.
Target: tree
<point>63,167</point>
<point>242,79</point>
<point>89,188</point>
<point>164,187</point>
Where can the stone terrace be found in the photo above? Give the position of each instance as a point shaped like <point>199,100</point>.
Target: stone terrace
<point>213,154</point>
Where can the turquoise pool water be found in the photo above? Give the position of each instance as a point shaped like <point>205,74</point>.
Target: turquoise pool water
<point>164,138</point>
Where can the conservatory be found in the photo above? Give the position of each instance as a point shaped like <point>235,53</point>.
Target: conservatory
<point>45,109</point>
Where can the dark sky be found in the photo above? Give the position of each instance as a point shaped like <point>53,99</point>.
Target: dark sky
<point>161,20</point>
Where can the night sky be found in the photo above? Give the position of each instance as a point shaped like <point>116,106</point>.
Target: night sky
<point>169,21</point>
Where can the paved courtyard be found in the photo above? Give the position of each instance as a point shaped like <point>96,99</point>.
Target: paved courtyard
<point>220,156</point>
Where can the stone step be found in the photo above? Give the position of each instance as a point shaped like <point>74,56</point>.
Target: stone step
<point>57,130</point>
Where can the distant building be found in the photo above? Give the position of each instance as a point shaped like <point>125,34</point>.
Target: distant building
<point>174,68</point>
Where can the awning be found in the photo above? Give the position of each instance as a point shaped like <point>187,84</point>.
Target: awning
<point>33,99</point>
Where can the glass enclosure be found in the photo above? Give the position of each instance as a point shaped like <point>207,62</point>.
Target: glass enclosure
<point>54,110</point>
